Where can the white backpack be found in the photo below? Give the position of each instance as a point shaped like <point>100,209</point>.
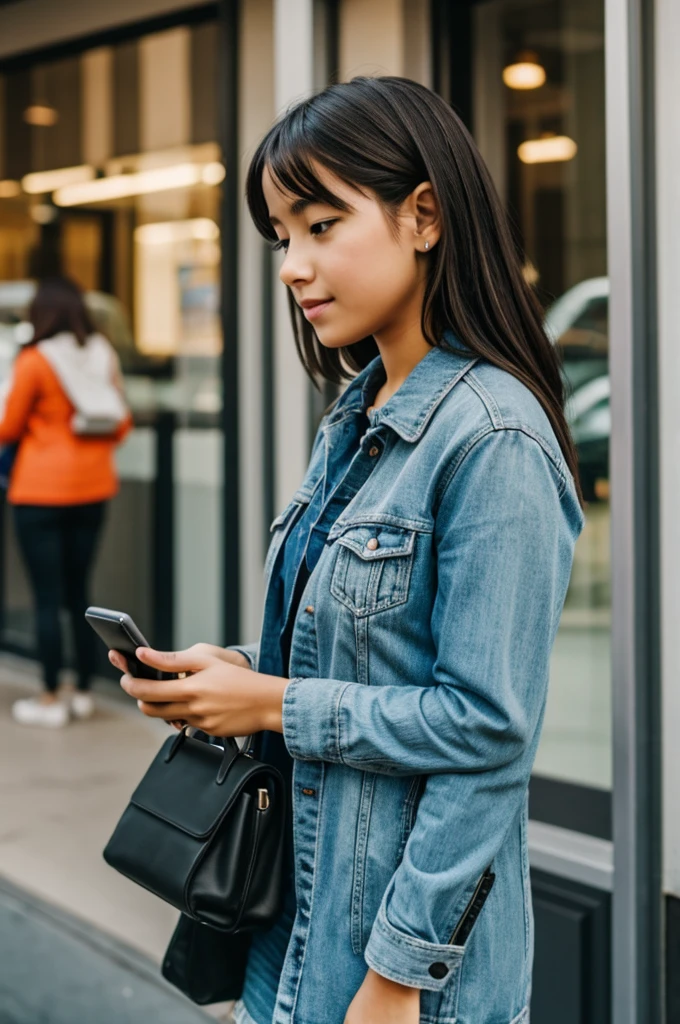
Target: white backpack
<point>87,374</point>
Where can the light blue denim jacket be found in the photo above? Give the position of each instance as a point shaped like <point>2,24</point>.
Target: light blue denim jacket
<point>419,670</point>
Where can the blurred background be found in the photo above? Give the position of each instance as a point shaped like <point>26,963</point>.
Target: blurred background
<point>125,131</point>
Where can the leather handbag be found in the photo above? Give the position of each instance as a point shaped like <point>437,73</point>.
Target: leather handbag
<point>207,965</point>
<point>204,831</point>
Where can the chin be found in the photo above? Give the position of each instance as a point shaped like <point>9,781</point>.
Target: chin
<point>340,339</point>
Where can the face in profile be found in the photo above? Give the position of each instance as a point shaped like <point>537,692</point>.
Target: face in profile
<point>353,271</point>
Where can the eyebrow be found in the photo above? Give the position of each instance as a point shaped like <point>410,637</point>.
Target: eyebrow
<point>296,207</point>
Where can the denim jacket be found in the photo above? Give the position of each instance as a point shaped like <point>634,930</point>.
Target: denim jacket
<point>419,669</point>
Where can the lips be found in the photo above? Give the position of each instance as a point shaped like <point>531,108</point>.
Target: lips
<point>314,308</point>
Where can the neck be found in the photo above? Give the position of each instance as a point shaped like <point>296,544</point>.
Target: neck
<point>401,349</point>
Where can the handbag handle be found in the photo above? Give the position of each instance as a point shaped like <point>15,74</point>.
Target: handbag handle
<point>231,751</point>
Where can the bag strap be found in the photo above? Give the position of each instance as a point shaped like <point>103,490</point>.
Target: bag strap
<point>231,751</point>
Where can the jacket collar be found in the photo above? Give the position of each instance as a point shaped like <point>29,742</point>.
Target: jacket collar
<point>411,408</point>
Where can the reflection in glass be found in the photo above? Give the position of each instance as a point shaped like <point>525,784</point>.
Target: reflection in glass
<point>110,172</point>
<point>545,146</point>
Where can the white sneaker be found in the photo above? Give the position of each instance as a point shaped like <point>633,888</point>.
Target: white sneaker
<point>82,705</point>
<point>31,712</point>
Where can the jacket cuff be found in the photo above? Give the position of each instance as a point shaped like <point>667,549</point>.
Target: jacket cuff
<point>311,719</point>
<point>249,652</point>
<point>408,960</point>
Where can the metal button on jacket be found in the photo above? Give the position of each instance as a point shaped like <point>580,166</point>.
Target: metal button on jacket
<point>373,544</point>
<point>374,451</point>
<point>438,970</point>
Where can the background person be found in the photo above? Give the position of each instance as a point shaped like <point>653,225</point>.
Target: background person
<point>61,480</point>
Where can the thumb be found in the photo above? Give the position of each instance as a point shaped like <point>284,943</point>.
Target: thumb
<point>191,660</point>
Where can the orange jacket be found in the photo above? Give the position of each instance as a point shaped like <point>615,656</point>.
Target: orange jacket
<point>53,465</point>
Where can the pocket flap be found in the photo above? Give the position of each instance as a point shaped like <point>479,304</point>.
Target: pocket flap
<point>184,790</point>
<point>373,541</point>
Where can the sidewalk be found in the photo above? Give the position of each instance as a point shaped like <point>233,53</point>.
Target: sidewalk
<point>61,793</point>
<point>57,969</point>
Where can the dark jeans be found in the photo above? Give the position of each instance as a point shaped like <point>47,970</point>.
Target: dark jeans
<point>58,544</point>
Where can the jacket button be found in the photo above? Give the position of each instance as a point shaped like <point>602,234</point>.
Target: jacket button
<point>373,544</point>
<point>374,451</point>
<point>438,970</point>
<point>310,609</point>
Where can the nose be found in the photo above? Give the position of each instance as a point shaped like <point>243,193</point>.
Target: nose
<point>296,268</point>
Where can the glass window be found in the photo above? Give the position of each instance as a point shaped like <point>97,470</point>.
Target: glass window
<point>110,172</point>
<point>539,121</point>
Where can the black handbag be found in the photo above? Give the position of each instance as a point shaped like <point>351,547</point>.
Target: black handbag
<point>204,831</point>
<point>205,964</point>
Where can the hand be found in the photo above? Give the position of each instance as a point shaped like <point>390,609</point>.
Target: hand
<point>381,1001</point>
<point>233,657</point>
<point>217,696</point>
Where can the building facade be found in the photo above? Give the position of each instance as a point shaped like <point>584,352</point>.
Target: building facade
<point>125,132</point>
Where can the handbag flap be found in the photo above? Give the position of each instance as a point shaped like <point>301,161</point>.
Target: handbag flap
<point>184,790</point>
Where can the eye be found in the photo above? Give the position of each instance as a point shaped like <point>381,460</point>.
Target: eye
<point>322,226</point>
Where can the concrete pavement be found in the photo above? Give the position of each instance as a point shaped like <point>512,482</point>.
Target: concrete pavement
<point>61,793</point>
<point>57,969</point>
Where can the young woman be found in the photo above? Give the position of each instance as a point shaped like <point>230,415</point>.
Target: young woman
<point>414,583</point>
<point>60,482</point>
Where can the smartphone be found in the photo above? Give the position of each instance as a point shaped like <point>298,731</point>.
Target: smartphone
<point>119,633</point>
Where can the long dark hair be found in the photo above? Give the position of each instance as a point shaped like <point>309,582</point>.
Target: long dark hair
<point>58,306</point>
<point>386,136</point>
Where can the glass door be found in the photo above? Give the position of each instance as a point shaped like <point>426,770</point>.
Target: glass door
<point>111,173</point>
<point>538,115</point>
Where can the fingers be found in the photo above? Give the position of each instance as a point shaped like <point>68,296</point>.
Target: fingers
<point>169,691</point>
<point>118,661</point>
<point>177,715</point>
<point>172,713</point>
<point>191,660</point>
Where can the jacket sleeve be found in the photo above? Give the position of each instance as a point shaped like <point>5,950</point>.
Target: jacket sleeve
<point>504,539</point>
<point>249,652</point>
<point>19,398</point>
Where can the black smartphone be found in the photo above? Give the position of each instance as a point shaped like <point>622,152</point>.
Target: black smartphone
<point>120,633</point>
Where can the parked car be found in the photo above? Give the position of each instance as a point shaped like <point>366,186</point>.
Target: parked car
<point>579,323</point>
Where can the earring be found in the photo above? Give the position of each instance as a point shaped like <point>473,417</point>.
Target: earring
<point>427,245</point>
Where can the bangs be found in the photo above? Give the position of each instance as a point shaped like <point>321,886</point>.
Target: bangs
<point>292,161</point>
<point>293,151</point>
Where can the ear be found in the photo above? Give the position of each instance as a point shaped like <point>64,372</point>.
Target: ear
<point>425,211</point>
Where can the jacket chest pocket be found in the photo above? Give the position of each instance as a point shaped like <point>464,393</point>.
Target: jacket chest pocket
<point>373,569</point>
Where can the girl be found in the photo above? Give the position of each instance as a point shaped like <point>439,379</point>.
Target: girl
<point>61,481</point>
<point>414,583</point>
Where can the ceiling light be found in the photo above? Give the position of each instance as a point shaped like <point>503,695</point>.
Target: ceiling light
<point>199,229</point>
<point>41,116</point>
<point>525,73</point>
<point>47,181</point>
<point>43,213</point>
<point>9,189</point>
<point>214,173</point>
<point>548,150</point>
<point>122,186</point>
